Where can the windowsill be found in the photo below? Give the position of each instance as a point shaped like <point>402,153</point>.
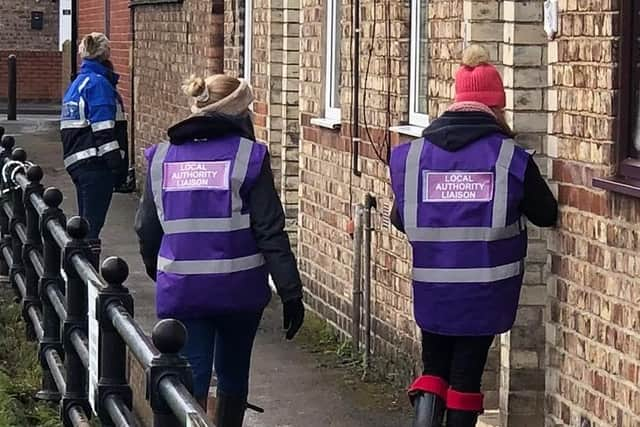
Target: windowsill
<point>324,122</point>
<point>410,130</point>
<point>619,184</point>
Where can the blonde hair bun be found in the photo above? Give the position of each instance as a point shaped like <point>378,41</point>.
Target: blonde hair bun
<point>193,86</point>
<point>475,55</point>
<point>94,46</point>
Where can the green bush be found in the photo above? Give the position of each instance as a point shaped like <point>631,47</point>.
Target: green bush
<point>20,373</point>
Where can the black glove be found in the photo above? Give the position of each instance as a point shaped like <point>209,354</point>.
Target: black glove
<point>293,315</point>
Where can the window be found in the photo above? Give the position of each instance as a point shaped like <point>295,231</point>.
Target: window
<point>627,180</point>
<point>248,33</point>
<point>332,62</point>
<point>419,74</point>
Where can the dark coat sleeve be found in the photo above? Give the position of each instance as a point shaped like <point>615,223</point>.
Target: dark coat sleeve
<point>538,205</point>
<point>396,220</point>
<point>149,230</point>
<point>267,223</point>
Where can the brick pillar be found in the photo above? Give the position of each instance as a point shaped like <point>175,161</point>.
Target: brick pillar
<point>522,349</point>
<point>482,26</point>
<point>282,123</point>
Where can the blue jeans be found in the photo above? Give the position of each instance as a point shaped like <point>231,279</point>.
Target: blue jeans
<point>94,188</point>
<point>227,342</point>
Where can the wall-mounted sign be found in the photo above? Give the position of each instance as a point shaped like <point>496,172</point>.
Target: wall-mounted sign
<point>66,11</point>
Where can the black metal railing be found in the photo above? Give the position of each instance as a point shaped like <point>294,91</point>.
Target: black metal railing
<point>82,320</point>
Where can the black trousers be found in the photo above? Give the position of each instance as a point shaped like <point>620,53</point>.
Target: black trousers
<point>459,360</point>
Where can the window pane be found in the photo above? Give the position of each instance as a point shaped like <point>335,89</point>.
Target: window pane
<point>335,80</point>
<point>635,76</point>
<point>422,79</point>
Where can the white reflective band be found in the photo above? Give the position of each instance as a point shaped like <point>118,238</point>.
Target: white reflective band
<point>80,155</point>
<point>239,173</point>
<point>109,146</point>
<point>503,164</point>
<point>214,266</point>
<point>83,84</point>
<point>73,124</point>
<point>104,125</point>
<point>463,234</point>
<point>237,221</point>
<point>468,275</point>
<point>156,177</point>
<point>411,176</point>
<point>207,225</point>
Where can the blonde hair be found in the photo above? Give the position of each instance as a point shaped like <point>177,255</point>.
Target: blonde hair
<point>475,55</point>
<point>95,46</point>
<point>219,93</point>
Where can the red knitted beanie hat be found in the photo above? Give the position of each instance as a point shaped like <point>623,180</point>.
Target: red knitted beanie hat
<point>479,81</point>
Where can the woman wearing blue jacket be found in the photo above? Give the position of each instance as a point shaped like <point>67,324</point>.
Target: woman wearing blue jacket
<point>94,132</point>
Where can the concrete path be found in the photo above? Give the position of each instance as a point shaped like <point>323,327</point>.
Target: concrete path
<point>289,383</point>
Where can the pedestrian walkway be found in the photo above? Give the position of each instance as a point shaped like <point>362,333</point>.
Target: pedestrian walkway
<point>286,381</point>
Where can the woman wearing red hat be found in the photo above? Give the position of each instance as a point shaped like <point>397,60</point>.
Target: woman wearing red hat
<point>462,193</point>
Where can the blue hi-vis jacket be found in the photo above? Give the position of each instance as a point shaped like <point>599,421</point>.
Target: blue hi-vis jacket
<point>92,125</point>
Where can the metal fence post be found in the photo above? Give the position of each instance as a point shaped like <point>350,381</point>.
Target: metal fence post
<point>50,280</point>
<point>75,373</point>
<point>5,239</point>
<point>33,241</point>
<point>169,336</point>
<point>12,108</point>
<point>113,350</point>
<point>17,267</point>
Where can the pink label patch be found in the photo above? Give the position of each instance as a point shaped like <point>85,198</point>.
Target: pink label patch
<point>457,187</point>
<point>185,176</point>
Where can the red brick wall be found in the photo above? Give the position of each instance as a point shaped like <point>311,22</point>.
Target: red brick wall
<point>39,75</point>
<point>91,17</point>
<point>593,345</point>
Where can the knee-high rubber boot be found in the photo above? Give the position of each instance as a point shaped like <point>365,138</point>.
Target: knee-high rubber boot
<point>428,396</point>
<point>429,410</point>
<point>463,408</point>
<point>229,410</point>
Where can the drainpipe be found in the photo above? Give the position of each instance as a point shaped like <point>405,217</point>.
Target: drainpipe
<point>357,280</point>
<point>355,132</point>
<point>74,39</point>
<point>369,204</point>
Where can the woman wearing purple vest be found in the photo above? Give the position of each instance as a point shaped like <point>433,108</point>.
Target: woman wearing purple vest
<point>211,229</point>
<point>463,194</point>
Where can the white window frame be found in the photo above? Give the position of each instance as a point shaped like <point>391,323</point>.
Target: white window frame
<point>332,60</point>
<point>415,118</point>
<point>248,39</point>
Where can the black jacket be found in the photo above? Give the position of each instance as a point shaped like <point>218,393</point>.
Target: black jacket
<point>265,208</point>
<point>455,130</point>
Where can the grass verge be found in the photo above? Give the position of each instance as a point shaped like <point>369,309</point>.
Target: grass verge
<point>384,384</point>
<point>20,372</point>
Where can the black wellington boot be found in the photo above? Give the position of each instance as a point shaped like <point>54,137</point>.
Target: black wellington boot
<point>429,410</point>
<point>229,410</point>
<point>457,418</point>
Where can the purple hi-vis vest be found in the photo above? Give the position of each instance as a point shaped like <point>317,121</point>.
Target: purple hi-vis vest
<point>461,216</point>
<point>208,262</point>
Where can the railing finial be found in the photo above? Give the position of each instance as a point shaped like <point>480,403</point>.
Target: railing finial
<point>19,155</point>
<point>169,336</point>
<point>78,228</point>
<point>115,271</point>
<point>52,197</point>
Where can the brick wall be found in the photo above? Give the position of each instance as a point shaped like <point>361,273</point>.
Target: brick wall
<point>274,77</point>
<point>15,21</point>
<point>39,75</point>
<point>91,18</point>
<point>172,41</point>
<point>39,62</point>
<point>594,319</point>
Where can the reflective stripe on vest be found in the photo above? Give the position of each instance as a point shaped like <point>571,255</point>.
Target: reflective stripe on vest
<point>214,266</point>
<point>468,275</point>
<point>91,152</point>
<point>237,221</point>
<point>499,229</point>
